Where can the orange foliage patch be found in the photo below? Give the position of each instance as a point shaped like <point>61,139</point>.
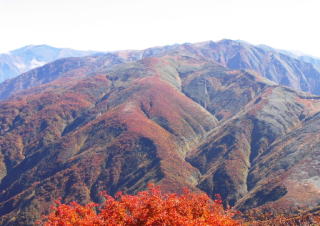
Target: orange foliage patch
<point>149,207</point>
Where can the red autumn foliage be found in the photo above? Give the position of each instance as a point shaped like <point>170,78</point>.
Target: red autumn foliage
<point>149,207</point>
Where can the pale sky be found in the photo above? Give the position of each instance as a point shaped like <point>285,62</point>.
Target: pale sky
<point>108,25</point>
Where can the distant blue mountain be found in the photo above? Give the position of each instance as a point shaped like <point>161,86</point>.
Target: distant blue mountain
<point>26,58</point>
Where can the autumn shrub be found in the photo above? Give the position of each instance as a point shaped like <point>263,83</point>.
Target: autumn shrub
<point>150,207</point>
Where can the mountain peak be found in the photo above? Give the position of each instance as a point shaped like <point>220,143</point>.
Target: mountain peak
<point>28,57</point>
<point>189,115</point>
<point>31,47</point>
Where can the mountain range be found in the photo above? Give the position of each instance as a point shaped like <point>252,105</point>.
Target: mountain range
<point>282,67</point>
<point>219,117</point>
<point>26,58</point>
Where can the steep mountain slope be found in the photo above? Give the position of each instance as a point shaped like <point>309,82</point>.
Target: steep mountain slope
<point>76,67</point>
<point>312,60</point>
<point>267,152</point>
<point>114,132</point>
<point>67,67</point>
<point>113,122</point>
<point>26,58</point>
<point>270,63</point>
<point>282,67</point>
<point>131,124</point>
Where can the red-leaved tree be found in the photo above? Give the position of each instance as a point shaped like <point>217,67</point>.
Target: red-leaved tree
<point>149,207</point>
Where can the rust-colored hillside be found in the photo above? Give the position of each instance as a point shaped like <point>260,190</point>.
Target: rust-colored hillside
<point>179,119</point>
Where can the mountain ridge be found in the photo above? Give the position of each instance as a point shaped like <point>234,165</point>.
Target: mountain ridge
<point>28,57</point>
<point>175,117</point>
<point>300,73</point>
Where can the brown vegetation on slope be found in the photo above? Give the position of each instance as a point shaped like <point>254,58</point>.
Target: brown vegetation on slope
<point>121,127</point>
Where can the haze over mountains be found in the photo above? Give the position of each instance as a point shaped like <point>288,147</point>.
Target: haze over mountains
<point>282,67</point>
<point>26,58</point>
<point>208,116</point>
